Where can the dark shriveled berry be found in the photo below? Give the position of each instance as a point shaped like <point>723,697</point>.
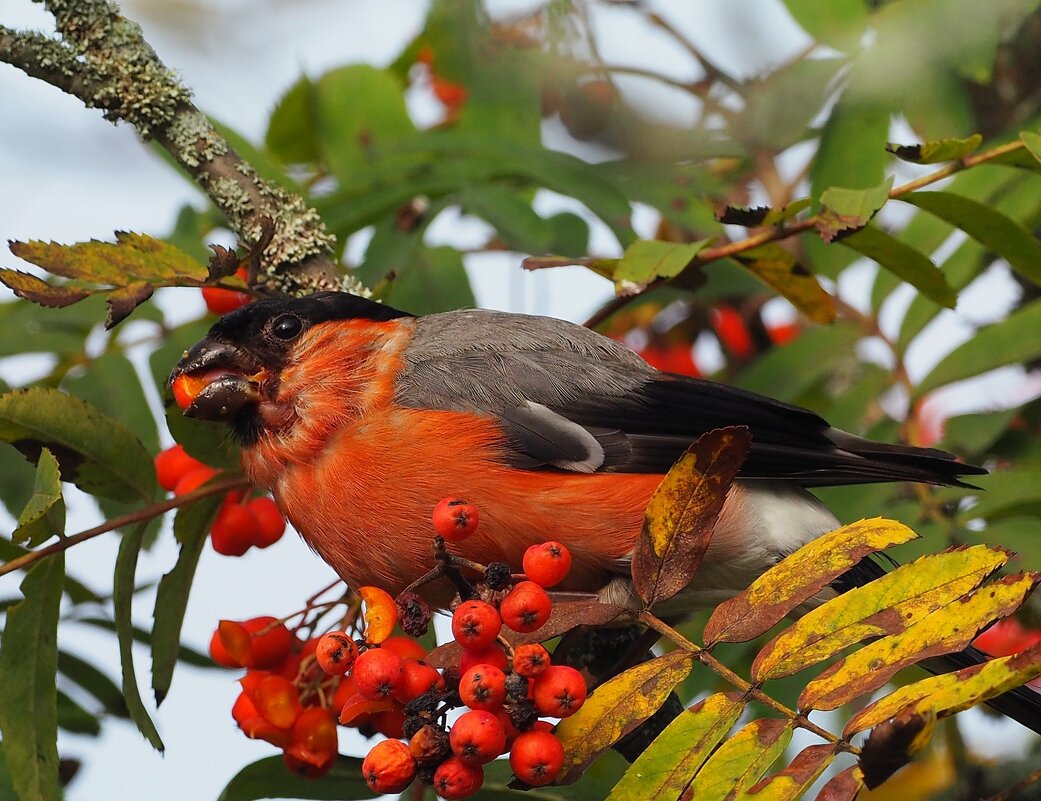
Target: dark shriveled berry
<point>498,575</point>
<point>413,614</point>
<point>523,714</point>
<point>517,686</point>
<point>427,702</point>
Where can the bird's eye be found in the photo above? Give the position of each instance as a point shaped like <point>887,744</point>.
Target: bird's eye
<point>287,327</point>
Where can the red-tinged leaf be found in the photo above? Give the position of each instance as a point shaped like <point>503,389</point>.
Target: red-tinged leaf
<point>124,300</point>
<point>566,615</point>
<point>893,744</point>
<point>936,151</point>
<point>844,211</point>
<point>795,779</point>
<point>887,605</point>
<point>31,288</point>
<point>617,707</point>
<point>950,693</point>
<point>799,577</point>
<point>665,768</point>
<point>946,630</point>
<point>844,786</point>
<point>778,268</point>
<point>741,761</point>
<point>678,522</point>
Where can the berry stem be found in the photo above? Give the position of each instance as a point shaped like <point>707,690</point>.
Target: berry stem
<point>146,513</point>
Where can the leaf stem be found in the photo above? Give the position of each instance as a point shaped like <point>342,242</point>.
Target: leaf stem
<point>146,513</point>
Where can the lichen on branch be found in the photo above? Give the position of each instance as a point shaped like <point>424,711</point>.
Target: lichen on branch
<point>102,58</point>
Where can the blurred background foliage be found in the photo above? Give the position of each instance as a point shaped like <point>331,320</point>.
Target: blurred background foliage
<point>487,117</point>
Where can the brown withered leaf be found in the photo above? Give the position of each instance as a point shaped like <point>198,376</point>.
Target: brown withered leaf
<point>678,523</point>
<point>223,262</point>
<point>39,291</point>
<point>124,300</point>
<point>843,786</point>
<point>893,744</point>
<point>748,216</point>
<point>790,783</point>
<point>798,577</point>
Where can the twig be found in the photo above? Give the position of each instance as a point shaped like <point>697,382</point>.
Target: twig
<point>1022,784</point>
<point>104,60</point>
<point>750,690</point>
<point>147,513</point>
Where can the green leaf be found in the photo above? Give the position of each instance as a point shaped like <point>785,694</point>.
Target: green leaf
<point>434,281</point>
<point>44,514</point>
<point>834,22</point>
<point>7,791</point>
<point>291,127</point>
<point>191,526</point>
<point>788,371</point>
<point>93,681</point>
<point>95,452</point>
<point>1010,492</point>
<point>1010,341</point>
<point>909,264</point>
<point>127,270</point>
<point>111,383</point>
<point>989,227</point>
<point>122,599</point>
<point>648,259</point>
<point>28,328</point>
<point>937,150</point>
<point>570,234</point>
<point>742,760</point>
<point>1032,141</point>
<point>513,218</point>
<point>974,433</point>
<point>359,112</point>
<point>270,778</point>
<point>75,719</point>
<point>846,210</point>
<point>28,694</point>
<point>780,107</point>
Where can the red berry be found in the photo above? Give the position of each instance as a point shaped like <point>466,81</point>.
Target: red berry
<point>455,519</point>
<point>277,700</point>
<point>234,530</point>
<point>405,647</point>
<point>530,660</point>
<point>172,465</point>
<point>526,608</point>
<point>194,479</point>
<point>222,301</point>
<point>253,724</point>
<point>483,687</point>
<point>219,654</point>
<point>547,564</point>
<point>417,678</point>
<point>560,691</point>
<point>477,737</point>
<point>270,525</point>
<point>314,740</point>
<point>455,779</point>
<point>270,641</point>
<point>389,722</point>
<point>378,674</point>
<point>537,757</point>
<point>476,624</point>
<point>307,769</point>
<point>336,653</point>
<point>492,655</point>
<point>389,767</point>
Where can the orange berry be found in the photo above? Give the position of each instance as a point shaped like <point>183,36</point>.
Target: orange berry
<point>417,678</point>
<point>254,726</point>
<point>222,301</point>
<point>537,757</point>
<point>233,531</point>
<point>381,613</point>
<point>477,737</point>
<point>455,520</point>
<point>455,779</point>
<point>389,767</point>
<point>547,563</point>
<point>186,388</point>
<point>429,745</point>
<point>404,646</point>
<point>492,655</point>
<point>277,701</point>
<point>560,691</point>
<point>219,654</point>
<point>270,641</point>
<point>530,660</point>
<point>450,93</point>
<point>526,607</point>
<point>389,723</point>
<point>270,525</point>
<point>172,465</point>
<point>483,687</point>
<point>314,738</point>
<point>378,674</point>
<point>336,653</point>
<point>194,479</point>
<point>476,624</point>
<point>358,710</point>
<point>307,769</point>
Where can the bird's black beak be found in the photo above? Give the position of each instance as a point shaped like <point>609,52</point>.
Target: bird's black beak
<point>220,379</point>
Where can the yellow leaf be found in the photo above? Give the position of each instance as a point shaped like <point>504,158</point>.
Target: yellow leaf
<point>795,779</point>
<point>799,577</point>
<point>617,707</point>
<point>663,771</point>
<point>946,630</point>
<point>951,693</point>
<point>779,269</point>
<point>679,519</point>
<point>887,605</point>
<point>741,761</point>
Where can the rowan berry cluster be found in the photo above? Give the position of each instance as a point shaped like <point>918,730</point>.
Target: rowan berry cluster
<point>242,521</point>
<point>370,679</point>
<point>222,301</point>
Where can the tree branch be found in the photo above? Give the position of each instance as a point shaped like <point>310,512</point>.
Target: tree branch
<point>103,59</point>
